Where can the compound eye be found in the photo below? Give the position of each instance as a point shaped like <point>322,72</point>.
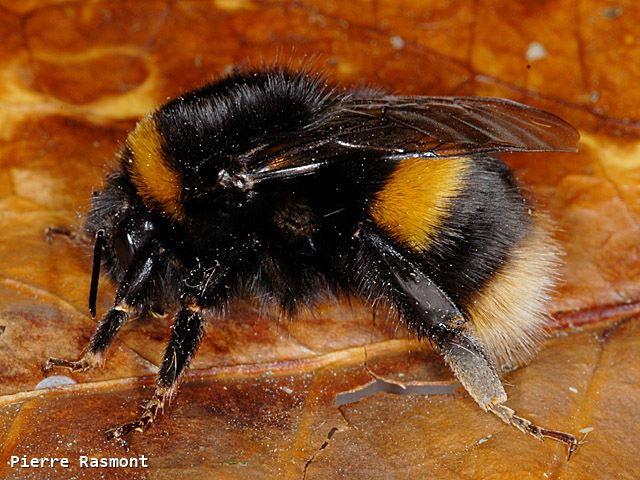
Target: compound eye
<point>123,245</point>
<point>127,239</point>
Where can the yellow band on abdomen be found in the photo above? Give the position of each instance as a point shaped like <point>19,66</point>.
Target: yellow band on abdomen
<point>417,197</point>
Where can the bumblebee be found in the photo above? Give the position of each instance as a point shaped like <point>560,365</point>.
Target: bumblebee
<point>274,185</point>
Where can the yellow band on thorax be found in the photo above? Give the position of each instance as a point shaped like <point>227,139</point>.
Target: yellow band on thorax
<point>156,181</point>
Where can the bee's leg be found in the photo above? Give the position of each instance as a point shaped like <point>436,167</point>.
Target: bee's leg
<point>185,338</point>
<point>202,288</point>
<point>431,313</point>
<point>100,341</point>
<point>477,374</point>
<point>132,294</point>
<point>75,237</point>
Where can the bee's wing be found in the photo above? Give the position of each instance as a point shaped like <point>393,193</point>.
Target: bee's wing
<point>451,126</point>
<point>407,127</point>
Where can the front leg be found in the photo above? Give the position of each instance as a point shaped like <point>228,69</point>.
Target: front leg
<point>74,236</point>
<point>104,335</point>
<point>132,295</point>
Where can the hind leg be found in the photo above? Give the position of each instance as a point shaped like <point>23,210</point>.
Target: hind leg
<point>431,313</point>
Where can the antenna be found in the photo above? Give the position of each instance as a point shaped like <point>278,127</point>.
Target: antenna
<point>95,272</point>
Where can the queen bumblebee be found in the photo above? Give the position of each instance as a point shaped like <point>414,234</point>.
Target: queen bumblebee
<point>272,184</point>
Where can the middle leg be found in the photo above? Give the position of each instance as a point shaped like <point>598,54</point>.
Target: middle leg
<point>204,287</point>
<point>185,338</point>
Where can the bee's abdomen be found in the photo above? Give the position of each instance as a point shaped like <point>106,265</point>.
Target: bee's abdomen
<point>466,221</point>
<point>509,315</point>
<point>460,217</point>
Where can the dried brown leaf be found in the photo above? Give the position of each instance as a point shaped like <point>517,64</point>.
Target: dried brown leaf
<point>260,401</point>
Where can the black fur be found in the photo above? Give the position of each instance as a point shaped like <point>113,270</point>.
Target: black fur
<point>296,237</point>
<point>486,220</point>
<point>287,242</point>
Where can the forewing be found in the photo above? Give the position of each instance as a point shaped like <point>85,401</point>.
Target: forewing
<point>405,127</point>
<point>451,126</point>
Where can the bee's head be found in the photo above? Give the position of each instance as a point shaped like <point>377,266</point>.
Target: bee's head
<point>128,236</point>
<point>121,226</point>
<point>125,222</point>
